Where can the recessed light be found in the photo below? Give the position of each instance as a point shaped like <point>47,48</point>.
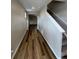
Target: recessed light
<point>33,7</point>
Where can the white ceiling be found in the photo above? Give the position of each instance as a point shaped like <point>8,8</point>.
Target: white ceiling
<point>33,5</point>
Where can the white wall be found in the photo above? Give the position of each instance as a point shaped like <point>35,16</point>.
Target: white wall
<point>18,24</point>
<point>51,31</point>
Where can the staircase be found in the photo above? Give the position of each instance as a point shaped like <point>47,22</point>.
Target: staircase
<point>64,47</point>
<point>64,39</point>
<point>63,25</point>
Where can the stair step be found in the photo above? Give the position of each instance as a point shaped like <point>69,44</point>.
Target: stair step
<point>64,57</point>
<point>64,36</point>
<point>64,42</point>
<point>64,50</point>
<point>64,45</point>
<point>64,53</point>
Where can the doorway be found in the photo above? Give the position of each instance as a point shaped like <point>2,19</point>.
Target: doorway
<point>32,20</point>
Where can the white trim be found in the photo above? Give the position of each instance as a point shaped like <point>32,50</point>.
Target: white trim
<point>18,46</point>
<point>51,47</point>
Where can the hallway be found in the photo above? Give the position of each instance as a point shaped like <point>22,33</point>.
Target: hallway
<point>34,46</point>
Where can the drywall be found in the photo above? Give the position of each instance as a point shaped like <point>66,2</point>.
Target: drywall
<point>51,31</point>
<point>18,24</point>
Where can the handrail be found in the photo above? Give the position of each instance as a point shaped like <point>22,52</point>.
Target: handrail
<point>58,20</point>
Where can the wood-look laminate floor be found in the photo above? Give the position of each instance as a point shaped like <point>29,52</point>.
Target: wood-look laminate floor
<point>34,47</point>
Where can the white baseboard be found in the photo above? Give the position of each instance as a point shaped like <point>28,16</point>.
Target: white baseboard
<point>50,47</point>
<point>18,46</point>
